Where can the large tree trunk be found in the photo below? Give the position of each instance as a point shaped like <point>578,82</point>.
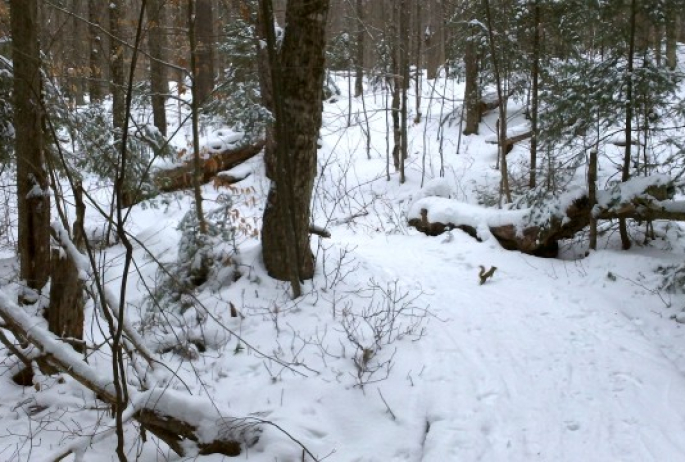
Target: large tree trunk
<point>159,81</point>
<point>33,196</point>
<point>298,100</point>
<point>204,16</point>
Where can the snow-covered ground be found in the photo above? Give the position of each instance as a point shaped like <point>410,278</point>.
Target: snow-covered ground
<point>570,359</point>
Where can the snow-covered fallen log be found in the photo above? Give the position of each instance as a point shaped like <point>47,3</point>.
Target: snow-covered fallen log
<point>175,418</point>
<point>537,230</point>
<point>514,135</point>
<point>180,177</point>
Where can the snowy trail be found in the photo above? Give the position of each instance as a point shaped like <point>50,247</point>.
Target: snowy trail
<point>522,371</point>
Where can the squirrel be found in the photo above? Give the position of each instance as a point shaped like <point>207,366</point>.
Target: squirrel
<point>485,275</point>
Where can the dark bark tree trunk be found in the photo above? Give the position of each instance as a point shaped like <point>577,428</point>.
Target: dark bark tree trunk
<point>419,60</point>
<point>75,57</point>
<point>298,102</point>
<point>159,81</point>
<point>95,54</point>
<point>204,15</point>
<point>33,195</point>
<point>471,93</point>
<point>359,58</point>
<point>671,37</point>
<point>396,87</point>
<point>116,64</point>
<point>196,98</point>
<point>266,90</point>
<point>627,155</point>
<point>535,97</point>
<point>592,195</point>
<point>404,79</point>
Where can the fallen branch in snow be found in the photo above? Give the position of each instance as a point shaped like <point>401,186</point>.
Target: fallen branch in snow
<point>173,417</point>
<point>537,230</point>
<point>514,135</point>
<point>181,177</point>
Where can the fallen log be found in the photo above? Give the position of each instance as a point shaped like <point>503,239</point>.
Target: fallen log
<point>181,176</point>
<point>173,417</point>
<point>538,230</point>
<point>514,135</point>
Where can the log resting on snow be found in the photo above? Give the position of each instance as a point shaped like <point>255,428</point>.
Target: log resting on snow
<point>537,230</point>
<point>514,135</point>
<point>174,417</point>
<point>181,176</point>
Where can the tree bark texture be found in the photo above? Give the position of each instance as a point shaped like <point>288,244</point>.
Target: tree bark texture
<point>116,63</point>
<point>471,93</point>
<point>301,80</point>
<point>32,181</point>
<point>359,57</point>
<point>204,16</point>
<point>159,80</point>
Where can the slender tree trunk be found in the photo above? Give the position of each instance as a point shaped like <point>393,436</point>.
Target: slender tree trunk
<point>625,171</point>
<point>265,88</point>
<point>429,43</point>
<point>396,87</point>
<point>359,59</point>
<point>419,62</point>
<point>471,91</point>
<point>502,97</point>
<point>535,97</point>
<point>159,80</point>
<point>75,58</point>
<point>195,114</point>
<point>592,195</point>
<point>33,196</point>
<point>298,100</point>
<point>404,68</point>
<point>95,53</point>
<point>116,63</point>
<point>671,37</point>
<point>205,38</point>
